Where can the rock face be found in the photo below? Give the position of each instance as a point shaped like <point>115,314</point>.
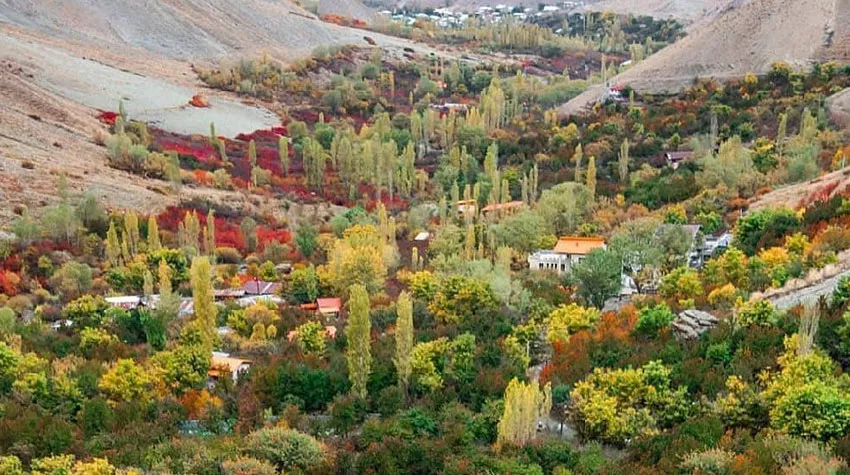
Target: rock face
<point>690,324</point>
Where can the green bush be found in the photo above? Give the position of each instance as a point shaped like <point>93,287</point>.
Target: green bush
<point>286,448</point>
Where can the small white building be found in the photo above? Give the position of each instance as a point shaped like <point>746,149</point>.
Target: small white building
<point>568,251</point>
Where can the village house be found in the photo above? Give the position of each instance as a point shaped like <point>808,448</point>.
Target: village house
<point>261,287</point>
<point>329,307</point>
<point>224,365</point>
<point>568,251</point>
<point>702,247</point>
<point>503,209</point>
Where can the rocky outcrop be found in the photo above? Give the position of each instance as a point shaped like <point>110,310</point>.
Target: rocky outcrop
<point>690,324</point>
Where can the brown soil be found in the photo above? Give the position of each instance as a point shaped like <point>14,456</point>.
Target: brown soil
<point>744,38</point>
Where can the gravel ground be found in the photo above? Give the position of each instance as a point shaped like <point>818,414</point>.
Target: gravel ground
<point>149,99</point>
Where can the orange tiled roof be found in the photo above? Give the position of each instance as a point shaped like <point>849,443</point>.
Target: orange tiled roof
<point>509,205</point>
<point>578,245</point>
<point>230,363</point>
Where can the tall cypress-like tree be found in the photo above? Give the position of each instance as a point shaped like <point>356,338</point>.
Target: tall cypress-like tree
<point>623,161</point>
<point>252,153</point>
<point>153,242</point>
<point>358,334</point>
<point>404,339</point>
<point>525,403</point>
<point>131,232</point>
<point>210,242</point>
<point>578,155</point>
<point>283,154</point>
<point>202,298</point>
<point>113,246</point>
<point>591,176</point>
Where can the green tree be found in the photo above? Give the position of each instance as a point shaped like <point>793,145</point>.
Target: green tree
<point>591,177</point>
<point>203,300</point>
<point>599,276</point>
<point>623,162</point>
<point>311,337</point>
<point>614,405</point>
<point>303,286</point>
<point>125,382</point>
<point>564,206</point>
<point>153,242</point>
<point>283,155</point>
<point>248,228</point>
<point>403,339</point>
<point>288,449</point>
<point>358,335</point>
<point>652,320</point>
<point>682,284</point>
<point>306,238</point>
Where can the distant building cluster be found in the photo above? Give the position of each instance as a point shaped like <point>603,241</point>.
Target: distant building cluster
<point>449,18</point>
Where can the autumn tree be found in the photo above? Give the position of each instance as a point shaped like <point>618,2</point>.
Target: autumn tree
<point>591,176</point>
<point>283,155</point>
<point>623,162</point>
<point>360,257</point>
<point>358,335</point>
<point>564,206</point>
<point>202,297</point>
<point>248,228</point>
<point>153,242</point>
<point>525,404</point>
<point>403,339</point>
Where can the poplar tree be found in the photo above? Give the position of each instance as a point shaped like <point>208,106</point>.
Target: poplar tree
<point>591,176</point>
<point>469,243</point>
<point>202,298</point>
<point>404,339</point>
<point>578,156</point>
<point>147,284</point>
<point>252,153</point>
<point>283,154</point>
<point>169,301</point>
<point>781,133</point>
<point>248,228</point>
<point>623,161</point>
<point>153,242</point>
<point>358,335</point>
<point>210,236</point>
<point>131,232</point>
<point>213,136</point>
<point>113,246</point>
<point>525,403</point>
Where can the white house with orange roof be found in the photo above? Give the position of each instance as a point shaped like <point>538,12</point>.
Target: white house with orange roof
<point>568,251</point>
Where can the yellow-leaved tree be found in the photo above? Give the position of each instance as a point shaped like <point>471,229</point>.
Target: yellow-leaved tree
<point>360,257</point>
<point>525,404</point>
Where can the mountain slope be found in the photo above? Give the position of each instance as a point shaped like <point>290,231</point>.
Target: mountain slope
<point>185,29</point>
<point>745,38</point>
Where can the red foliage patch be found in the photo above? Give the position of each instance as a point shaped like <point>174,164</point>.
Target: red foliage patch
<point>107,117</point>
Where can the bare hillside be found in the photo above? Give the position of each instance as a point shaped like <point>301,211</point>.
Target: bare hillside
<point>186,29</point>
<point>687,11</point>
<point>744,38</point>
<point>346,8</point>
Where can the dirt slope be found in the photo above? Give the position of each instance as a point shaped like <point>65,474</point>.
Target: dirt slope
<point>186,29</point>
<point>347,8</point>
<point>747,37</point>
<point>687,11</point>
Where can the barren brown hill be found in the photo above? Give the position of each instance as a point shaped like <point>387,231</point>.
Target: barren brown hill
<point>62,60</point>
<point>687,11</point>
<point>744,38</point>
<point>186,29</point>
